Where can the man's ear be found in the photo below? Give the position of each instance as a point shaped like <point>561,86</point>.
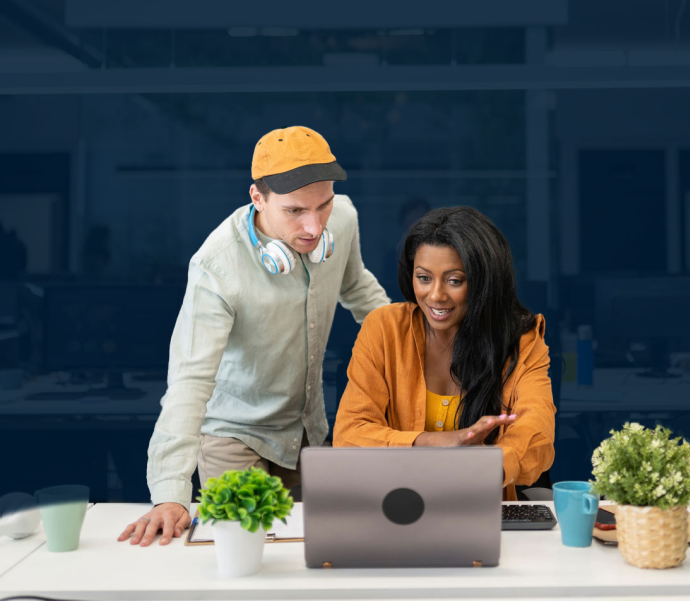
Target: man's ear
<point>257,198</point>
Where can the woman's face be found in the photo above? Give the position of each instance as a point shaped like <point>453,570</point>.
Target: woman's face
<point>440,286</point>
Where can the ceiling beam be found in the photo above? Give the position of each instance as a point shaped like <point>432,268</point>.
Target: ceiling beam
<point>343,79</point>
<point>314,14</point>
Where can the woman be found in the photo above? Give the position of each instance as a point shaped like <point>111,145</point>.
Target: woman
<point>462,362</point>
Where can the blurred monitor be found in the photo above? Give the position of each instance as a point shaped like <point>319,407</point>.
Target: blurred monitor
<point>109,328</point>
<point>654,311</point>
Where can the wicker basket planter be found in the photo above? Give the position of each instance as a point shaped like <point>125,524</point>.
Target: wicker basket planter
<point>649,537</point>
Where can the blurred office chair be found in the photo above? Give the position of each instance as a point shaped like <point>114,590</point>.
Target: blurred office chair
<point>538,494</point>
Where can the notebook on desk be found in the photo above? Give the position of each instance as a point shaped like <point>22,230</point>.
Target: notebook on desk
<point>292,532</point>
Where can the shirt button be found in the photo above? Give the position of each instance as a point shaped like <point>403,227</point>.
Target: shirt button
<point>308,386</point>
<point>311,358</point>
<point>439,424</point>
<point>446,402</point>
<point>311,325</point>
<point>296,440</point>
<point>294,447</point>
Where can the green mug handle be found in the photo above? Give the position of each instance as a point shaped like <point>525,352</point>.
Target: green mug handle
<point>589,504</point>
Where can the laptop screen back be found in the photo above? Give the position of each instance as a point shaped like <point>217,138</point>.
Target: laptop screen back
<point>402,507</point>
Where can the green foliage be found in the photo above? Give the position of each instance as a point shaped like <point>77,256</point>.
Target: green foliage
<point>250,497</point>
<point>643,467</point>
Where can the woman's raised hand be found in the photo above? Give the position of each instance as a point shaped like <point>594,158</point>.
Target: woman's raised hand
<point>474,435</point>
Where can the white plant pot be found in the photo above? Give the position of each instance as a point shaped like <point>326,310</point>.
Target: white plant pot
<point>238,551</point>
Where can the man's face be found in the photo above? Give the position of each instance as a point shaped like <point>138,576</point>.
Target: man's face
<point>297,218</point>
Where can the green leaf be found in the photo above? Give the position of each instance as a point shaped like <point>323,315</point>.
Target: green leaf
<point>249,504</point>
<point>254,525</point>
<point>246,523</point>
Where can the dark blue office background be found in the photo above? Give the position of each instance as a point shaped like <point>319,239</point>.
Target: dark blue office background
<point>126,135</point>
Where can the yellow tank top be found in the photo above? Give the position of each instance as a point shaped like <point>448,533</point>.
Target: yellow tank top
<point>440,412</point>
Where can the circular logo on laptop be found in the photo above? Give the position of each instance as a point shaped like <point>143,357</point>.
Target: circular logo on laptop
<point>403,506</point>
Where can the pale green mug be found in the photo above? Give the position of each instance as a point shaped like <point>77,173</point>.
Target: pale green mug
<point>62,511</point>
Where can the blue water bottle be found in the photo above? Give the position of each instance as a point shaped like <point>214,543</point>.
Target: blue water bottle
<point>585,356</point>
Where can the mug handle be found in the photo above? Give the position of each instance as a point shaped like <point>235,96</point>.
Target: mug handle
<point>590,504</point>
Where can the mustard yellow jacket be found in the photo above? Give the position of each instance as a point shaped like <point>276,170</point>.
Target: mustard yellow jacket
<point>384,403</point>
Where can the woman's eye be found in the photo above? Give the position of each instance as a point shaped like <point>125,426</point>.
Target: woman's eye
<point>457,282</point>
<point>423,278</point>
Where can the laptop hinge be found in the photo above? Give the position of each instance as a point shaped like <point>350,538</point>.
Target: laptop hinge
<point>476,564</point>
<point>326,565</point>
<point>270,537</point>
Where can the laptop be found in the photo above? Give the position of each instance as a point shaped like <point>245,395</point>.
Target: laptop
<point>402,507</point>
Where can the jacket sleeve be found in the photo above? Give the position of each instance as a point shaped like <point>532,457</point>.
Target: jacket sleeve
<point>528,443</point>
<point>196,348</point>
<point>361,419</point>
<point>360,292</point>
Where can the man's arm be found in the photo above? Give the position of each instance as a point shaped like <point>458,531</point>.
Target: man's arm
<point>196,348</point>
<point>360,292</point>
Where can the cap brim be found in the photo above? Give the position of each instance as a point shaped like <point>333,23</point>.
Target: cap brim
<point>284,183</point>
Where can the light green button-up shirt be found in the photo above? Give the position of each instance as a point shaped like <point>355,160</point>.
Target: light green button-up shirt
<point>247,349</point>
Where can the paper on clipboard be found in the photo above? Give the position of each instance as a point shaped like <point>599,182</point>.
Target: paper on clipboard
<point>293,531</point>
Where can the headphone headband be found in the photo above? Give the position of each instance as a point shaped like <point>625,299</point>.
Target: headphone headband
<point>252,233</point>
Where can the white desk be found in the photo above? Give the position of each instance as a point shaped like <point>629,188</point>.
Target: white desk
<point>533,565</point>
<point>13,552</point>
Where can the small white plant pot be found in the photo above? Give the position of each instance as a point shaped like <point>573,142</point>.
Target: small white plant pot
<point>238,551</point>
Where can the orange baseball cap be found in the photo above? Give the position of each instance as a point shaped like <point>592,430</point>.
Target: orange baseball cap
<point>294,157</point>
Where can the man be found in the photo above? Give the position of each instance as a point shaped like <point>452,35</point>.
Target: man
<point>244,378</point>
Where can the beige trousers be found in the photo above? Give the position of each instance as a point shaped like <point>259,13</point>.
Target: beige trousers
<point>218,454</point>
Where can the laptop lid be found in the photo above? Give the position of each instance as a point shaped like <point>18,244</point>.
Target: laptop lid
<point>402,507</point>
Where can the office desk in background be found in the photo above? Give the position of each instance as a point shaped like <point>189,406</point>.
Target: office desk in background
<point>624,391</point>
<point>89,439</point>
<point>533,564</point>
<point>587,414</point>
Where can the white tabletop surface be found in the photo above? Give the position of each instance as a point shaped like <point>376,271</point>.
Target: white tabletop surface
<point>13,552</point>
<point>533,564</point>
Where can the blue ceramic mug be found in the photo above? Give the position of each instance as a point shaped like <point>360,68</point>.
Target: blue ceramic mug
<point>576,510</point>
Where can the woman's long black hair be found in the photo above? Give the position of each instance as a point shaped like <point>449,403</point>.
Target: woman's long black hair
<point>489,335</point>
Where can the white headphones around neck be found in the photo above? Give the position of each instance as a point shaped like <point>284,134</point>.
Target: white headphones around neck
<point>277,257</point>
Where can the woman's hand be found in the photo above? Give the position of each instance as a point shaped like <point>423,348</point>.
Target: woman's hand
<point>474,435</point>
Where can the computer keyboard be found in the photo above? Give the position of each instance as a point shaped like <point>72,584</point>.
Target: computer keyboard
<point>527,517</point>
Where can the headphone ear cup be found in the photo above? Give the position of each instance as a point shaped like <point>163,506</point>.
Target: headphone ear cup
<point>330,246</point>
<point>278,254</point>
<point>324,248</point>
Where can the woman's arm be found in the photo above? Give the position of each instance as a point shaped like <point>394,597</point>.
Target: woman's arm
<point>361,419</point>
<point>474,435</point>
<point>528,443</point>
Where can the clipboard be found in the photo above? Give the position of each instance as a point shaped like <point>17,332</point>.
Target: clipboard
<point>201,534</point>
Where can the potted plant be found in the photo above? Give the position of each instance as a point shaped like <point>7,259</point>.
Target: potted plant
<point>242,505</point>
<point>647,474</point>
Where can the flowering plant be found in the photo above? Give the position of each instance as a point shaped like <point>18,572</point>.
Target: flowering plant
<point>643,467</point>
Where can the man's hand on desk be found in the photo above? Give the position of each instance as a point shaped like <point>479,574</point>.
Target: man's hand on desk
<point>474,435</point>
<point>172,518</point>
